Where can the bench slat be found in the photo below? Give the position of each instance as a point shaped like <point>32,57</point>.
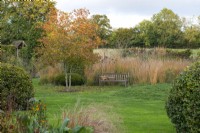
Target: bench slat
<point>113,77</point>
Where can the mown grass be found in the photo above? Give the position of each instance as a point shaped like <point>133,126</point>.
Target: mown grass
<point>137,108</point>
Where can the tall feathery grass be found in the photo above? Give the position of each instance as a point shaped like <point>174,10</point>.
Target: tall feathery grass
<point>93,116</point>
<point>140,70</point>
<point>48,73</point>
<point>143,65</point>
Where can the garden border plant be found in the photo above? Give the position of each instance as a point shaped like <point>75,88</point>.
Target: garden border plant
<point>35,121</point>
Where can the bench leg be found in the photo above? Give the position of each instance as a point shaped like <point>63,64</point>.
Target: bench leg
<point>126,83</point>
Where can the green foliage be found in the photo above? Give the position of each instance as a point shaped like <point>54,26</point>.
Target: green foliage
<point>183,103</point>
<point>21,21</point>
<point>167,28</point>
<point>121,38</point>
<point>77,129</point>
<point>184,54</point>
<point>104,27</point>
<point>143,34</point>
<point>9,49</point>
<point>7,53</point>
<point>192,36</point>
<point>15,88</point>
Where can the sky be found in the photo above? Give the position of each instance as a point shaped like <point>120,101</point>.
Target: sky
<point>128,13</point>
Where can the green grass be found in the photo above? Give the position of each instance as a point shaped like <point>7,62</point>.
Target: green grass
<point>140,107</point>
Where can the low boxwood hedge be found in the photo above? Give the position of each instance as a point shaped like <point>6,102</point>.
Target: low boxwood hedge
<point>183,105</point>
<point>15,88</point>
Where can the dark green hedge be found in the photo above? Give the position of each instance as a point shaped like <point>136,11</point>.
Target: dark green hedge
<point>185,54</point>
<point>76,79</point>
<point>15,88</point>
<point>183,105</point>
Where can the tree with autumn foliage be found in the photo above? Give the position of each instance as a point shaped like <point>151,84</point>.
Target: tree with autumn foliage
<point>70,39</point>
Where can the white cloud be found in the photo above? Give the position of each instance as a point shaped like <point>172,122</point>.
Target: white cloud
<point>127,13</point>
<point>125,20</point>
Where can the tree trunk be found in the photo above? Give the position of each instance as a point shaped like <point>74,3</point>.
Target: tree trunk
<point>66,76</point>
<point>70,78</point>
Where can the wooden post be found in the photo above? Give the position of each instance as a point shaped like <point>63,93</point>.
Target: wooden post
<point>17,53</point>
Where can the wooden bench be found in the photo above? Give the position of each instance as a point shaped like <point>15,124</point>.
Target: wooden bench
<point>114,77</point>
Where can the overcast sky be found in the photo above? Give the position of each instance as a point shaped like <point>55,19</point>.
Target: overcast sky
<point>128,13</point>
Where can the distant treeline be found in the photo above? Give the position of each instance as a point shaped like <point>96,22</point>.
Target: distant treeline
<point>165,29</point>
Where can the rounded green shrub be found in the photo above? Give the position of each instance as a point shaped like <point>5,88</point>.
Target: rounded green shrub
<point>76,79</point>
<point>183,105</point>
<point>15,88</point>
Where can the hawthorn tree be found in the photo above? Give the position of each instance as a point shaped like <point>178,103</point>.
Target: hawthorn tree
<point>70,39</point>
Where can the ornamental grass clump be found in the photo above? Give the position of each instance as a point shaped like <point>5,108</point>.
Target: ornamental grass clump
<point>95,117</point>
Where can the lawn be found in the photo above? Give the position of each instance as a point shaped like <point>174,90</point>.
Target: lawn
<point>136,109</point>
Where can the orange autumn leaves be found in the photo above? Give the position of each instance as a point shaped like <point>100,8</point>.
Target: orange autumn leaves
<point>68,37</point>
